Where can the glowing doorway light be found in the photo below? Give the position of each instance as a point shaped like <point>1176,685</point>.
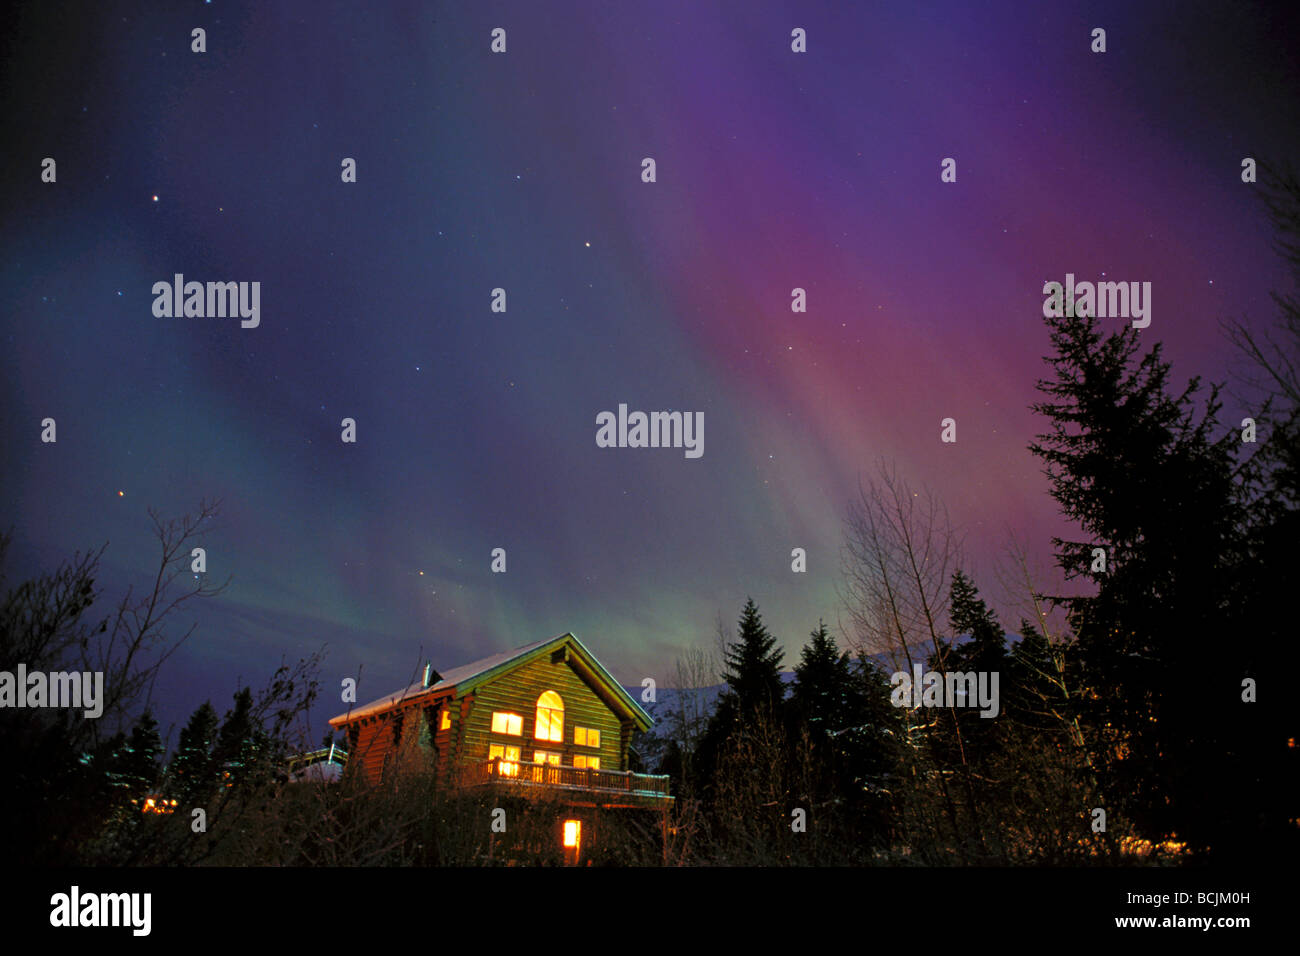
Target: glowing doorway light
<point>572,833</point>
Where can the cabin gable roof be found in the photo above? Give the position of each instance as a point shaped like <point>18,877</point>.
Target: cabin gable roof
<point>462,680</point>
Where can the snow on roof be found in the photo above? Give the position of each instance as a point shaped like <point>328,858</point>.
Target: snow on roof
<point>468,671</point>
<point>450,679</point>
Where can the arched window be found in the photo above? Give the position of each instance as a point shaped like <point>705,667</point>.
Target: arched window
<point>550,717</point>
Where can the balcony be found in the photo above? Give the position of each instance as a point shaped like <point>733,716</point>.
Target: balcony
<point>580,785</point>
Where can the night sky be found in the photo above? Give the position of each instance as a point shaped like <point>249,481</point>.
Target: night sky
<point>522,170</point>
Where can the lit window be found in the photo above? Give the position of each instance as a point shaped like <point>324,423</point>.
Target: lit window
<point>546,756</point>
<point>503,723</point>
<point>550,717</point>
<point>582,760</point>
<point>445,722</point>
<point>586,736</point>
<point>572,833</point>
<point>509,758</point>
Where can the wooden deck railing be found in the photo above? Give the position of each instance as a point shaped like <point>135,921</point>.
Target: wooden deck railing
<point>331,754</point>
<point>500,770</point>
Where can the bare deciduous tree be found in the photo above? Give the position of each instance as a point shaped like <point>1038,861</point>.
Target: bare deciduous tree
<point>898,558</point>
<point>696,671</point>
<point>131,645</point>
<point>1272,354</point>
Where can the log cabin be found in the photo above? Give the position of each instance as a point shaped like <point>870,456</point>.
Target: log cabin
<point>545,719</point>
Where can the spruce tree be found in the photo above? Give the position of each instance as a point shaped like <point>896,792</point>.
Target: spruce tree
<point>753,665</point>
<point>985,653</point>
<point>1267,769</point>
<point>1151,485</point>
<point>191,772</point>
<point>1033,697</point>
<point>969,615</point>
<point>135,765</point>
<point>872,750</point>
<point>239,747</point>
<point>824,686</point>
<point>753,692</point>
<point>964,743</point>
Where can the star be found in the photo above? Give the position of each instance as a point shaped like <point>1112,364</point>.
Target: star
<point>155,197</point>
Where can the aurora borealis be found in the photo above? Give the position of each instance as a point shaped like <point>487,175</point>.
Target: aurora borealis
<point>475,171</point>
